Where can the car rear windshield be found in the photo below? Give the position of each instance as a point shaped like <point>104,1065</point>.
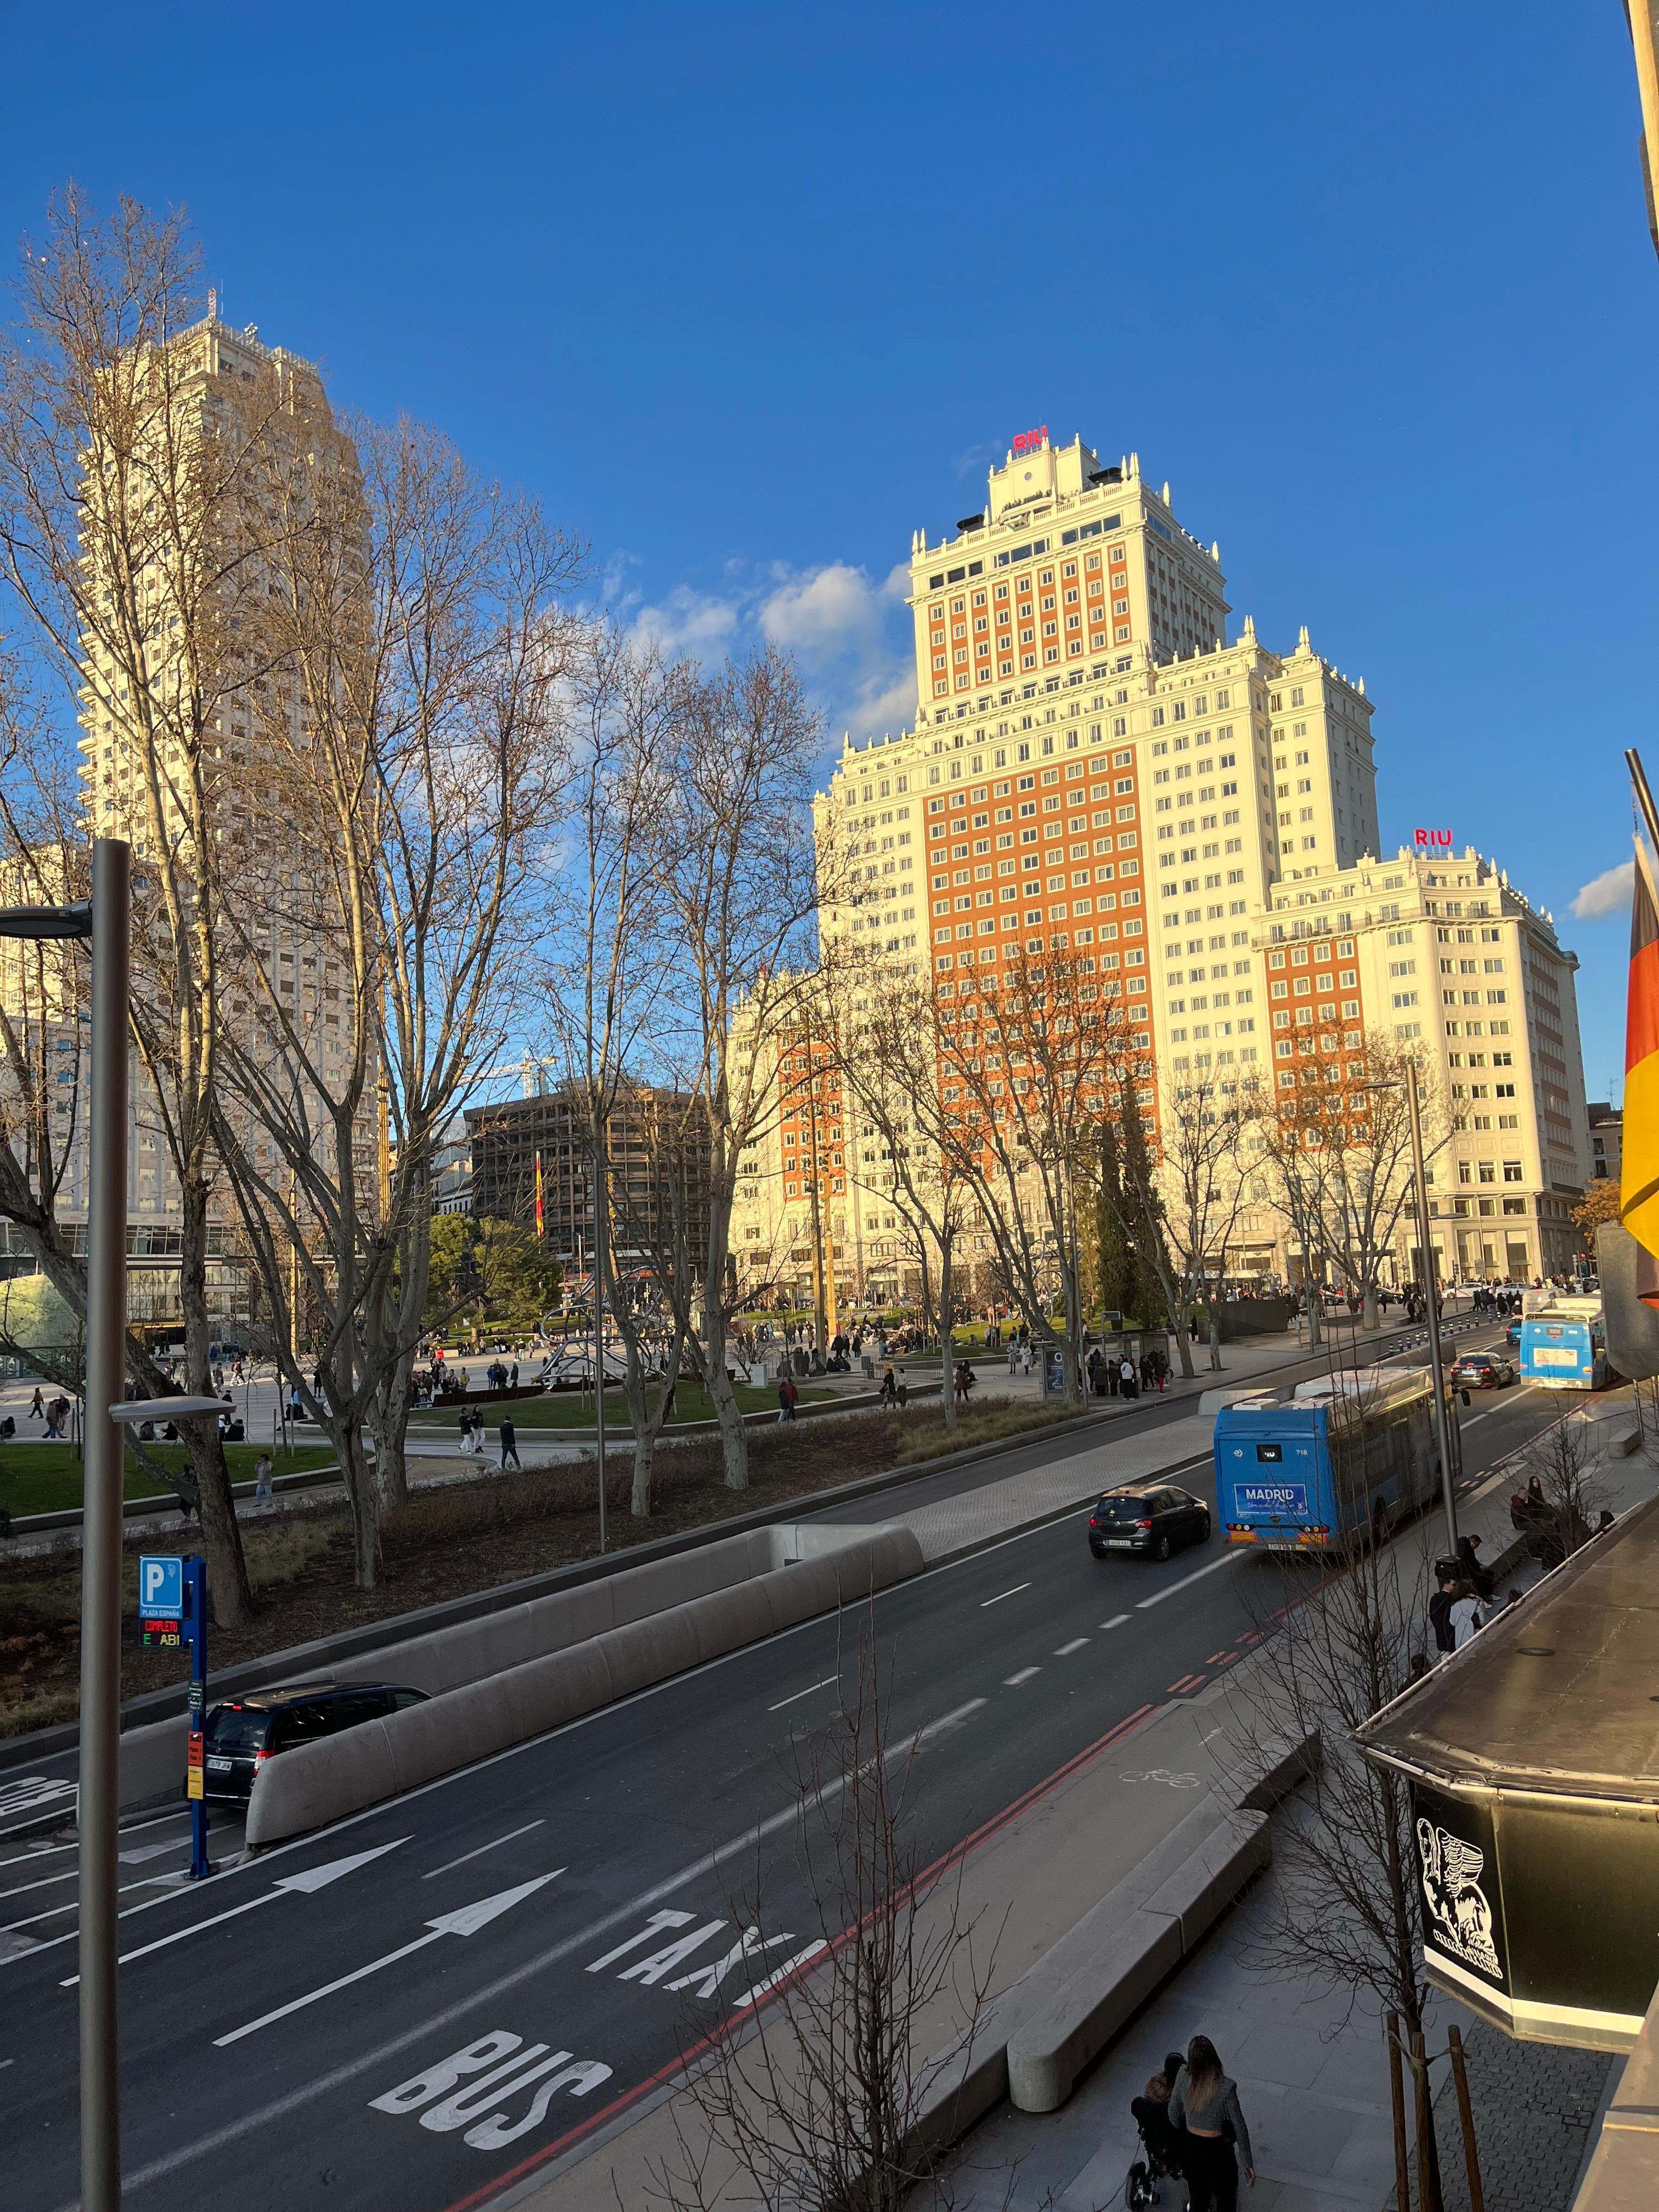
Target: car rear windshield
<point>236,1730</point>
<point>1122,1509</point>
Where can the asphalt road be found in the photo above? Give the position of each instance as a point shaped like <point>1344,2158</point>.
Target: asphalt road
<point>572,1914</point>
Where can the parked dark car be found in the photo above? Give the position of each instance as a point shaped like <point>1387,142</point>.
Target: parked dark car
<point>243,1733</point>
<point>1154,1518</point>
<point>1482,1370</point>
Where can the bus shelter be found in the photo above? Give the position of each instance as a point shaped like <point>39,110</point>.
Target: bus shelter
<point>1533,1758</point>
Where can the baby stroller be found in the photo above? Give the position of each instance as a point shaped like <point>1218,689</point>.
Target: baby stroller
<point>1160,2141</point>
<point>1157,2161</point>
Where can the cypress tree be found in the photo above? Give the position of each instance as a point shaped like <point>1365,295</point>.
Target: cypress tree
<point>1116,1274</point>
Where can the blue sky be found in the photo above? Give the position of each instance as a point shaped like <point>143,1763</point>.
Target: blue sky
<point>748,294</point>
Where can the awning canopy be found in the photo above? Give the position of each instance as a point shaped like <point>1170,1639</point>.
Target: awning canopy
<point>1533,1759</point>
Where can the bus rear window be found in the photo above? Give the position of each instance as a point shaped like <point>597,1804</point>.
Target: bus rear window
<point>1269,1452</point>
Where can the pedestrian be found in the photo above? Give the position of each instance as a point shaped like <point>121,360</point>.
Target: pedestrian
<point>1473,1573</point>
<point>1127,1379</point>
<point>464,1422</point>
<point>789,1397</point>
<point>1114,1382</point>
<point>261,1475</point>
<point>509,1438</point>
<point>514,1377</point>
<point>1467,1617</point>
<point>1205,2101</point>
<point>55,1413</point>
<point>1449,1580</point>
<point>38,1410</point>
<point>889,1388</point>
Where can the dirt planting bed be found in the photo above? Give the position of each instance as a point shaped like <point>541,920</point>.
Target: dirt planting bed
<point>454,1540</point>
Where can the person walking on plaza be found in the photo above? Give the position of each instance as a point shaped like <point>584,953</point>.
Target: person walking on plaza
<point>1205,2101</point>
<point>509,1436</point>
<point>261,1475</point>
<point>788,1398</point>
<point>1127,1378</point>
<point>37,1409</point>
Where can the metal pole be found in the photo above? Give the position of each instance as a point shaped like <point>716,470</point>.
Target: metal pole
<point>101,1555</point>
<point>1442,1410</point>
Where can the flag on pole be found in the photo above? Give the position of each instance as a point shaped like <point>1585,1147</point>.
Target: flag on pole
<point>540,1228</point>
<point>1639,1194</point>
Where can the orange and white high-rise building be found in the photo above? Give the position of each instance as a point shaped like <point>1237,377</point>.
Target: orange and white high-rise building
<point>1092,761</point>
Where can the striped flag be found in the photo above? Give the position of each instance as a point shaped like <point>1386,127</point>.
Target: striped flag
<point>540,1229</point>
<point>1638,1195</point>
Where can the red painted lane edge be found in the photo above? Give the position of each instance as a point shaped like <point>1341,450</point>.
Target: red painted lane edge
<point>958,1852</point>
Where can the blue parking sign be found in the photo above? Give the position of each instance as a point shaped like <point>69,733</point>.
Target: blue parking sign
<point>162,1586</point>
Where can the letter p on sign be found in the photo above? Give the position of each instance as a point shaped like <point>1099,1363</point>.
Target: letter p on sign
<point>161,1585</point>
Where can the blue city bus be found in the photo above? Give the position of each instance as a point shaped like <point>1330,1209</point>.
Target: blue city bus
<point>1564,1345</point>
<point>1316,1467</point>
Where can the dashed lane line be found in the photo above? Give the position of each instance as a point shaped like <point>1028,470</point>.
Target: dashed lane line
<point>1066,1650</point>
<point>1013,1681</point>
<point>807,1693</point>
<point>449,1864</point>
<point>1227,1560</point>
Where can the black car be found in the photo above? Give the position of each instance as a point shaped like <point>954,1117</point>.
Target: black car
<point>1155,1518</point>
<point>243,1733</point>
<point>1482,1370</point>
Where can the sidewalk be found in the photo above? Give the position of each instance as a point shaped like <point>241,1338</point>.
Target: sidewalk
<point>1311,2067</point>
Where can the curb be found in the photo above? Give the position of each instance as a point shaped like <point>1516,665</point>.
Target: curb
<point>395,1628</point>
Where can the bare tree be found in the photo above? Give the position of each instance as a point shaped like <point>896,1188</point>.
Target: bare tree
<point>1295,1161</point>
<point>1029,1064</point>
<point>1199,1124</point>
<point>732,856</point>
<point>133,538</point>
<point>883,1031</point>
<point>814,2084</point>
<point>623,706</point>
<point>415,647</point>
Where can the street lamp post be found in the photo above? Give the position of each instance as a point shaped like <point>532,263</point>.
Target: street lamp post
<point>1444,1428</point>
<point>105,920</point>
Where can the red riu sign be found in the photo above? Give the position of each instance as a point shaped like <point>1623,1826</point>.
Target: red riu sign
<point>1030,441</point>
<point>1432,839</point>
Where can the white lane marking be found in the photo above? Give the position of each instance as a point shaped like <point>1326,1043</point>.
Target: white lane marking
<point>1227,1560</point>
<point>144,1881</point>
<point>451,1864</point>
<point>949,1720</point>
<point>306,1884</point>
<point>1000,1595</point>
<point>1013,1681</point>
<point>807,1693</point>
<point>466,1922</point>
<point>45,1882</point>
<point>1066,1650</point>
<point>1117,1621</point>
<point>323,2085</point>
<point>46,1851</point>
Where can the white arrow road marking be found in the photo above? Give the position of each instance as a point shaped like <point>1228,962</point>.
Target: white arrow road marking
<point>467,1922</point>
<point>313,1879</point>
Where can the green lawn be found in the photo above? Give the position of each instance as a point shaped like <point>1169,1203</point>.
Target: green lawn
<point>46,1477</point>
<point>574,1409</point>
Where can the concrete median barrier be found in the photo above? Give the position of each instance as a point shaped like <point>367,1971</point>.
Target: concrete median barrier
<point>708,1606</point>
<point>1080,1994</point>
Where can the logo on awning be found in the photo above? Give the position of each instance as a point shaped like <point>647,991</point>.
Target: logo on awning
<point>1458,1910</point>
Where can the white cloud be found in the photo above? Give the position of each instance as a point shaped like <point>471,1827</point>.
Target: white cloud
<point>850,633</point>
<point>690,621</point>
<point>1608,893</point>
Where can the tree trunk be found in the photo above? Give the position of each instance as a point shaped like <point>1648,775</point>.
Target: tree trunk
<point>946,1365</point>
<point>1370,1318</point>
<point>1315,1318</point>
<point>222,1539</point>
<point>362,1489</point>
<point>1183,1344</point>
<point>1215,1344</point>
<point>735,1439</point>
<point>391,1425</point>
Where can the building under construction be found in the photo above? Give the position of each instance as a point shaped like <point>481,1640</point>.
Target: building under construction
<point>658,1166</point>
